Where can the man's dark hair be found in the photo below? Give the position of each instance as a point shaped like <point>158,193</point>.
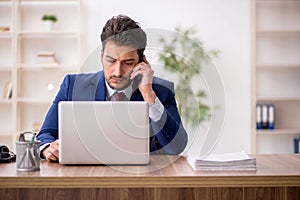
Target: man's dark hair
<point>124,31</point>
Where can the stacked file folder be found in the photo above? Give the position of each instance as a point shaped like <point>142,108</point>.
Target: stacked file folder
<point>229,161</point>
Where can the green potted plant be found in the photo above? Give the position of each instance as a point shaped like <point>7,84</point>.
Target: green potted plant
<point>186,65</point>
<point>49,20</point>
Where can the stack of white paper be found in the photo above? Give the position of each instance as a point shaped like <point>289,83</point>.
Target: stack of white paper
<point>228,161</point>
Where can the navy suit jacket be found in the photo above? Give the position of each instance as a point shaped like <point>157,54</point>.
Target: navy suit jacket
<point>167,135</point>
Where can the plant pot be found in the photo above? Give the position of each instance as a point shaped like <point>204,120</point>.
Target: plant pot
<point>48,25</point>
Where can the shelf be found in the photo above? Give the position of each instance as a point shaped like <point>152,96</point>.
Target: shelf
<point>47,34</point>
<point>277,1</point>
<point>2,101</point>
<point>61,67</point>
<point>35,84</point>
<point>277,15</point>
<point>271,48</point>
<point>272,99</point>
<point>278,66</point>
<point>34,100</point>
<point>46,2</point>
<point>277,32</point>
<point>5,68</point>
<point>278,83</point>
<point>278,132</point>
<point>276,72</point>
<point>5,133</point>
<point>5,35</point>
<point>8,2</point>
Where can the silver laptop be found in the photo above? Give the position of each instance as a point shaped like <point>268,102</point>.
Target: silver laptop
<point>103,132</point>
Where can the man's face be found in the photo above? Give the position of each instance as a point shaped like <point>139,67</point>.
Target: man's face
<point>118,62</point>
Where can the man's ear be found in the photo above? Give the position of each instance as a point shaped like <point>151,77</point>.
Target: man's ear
<point>101,55</point>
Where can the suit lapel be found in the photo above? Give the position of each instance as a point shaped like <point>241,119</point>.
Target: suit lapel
<point>136,96</point>
<point>98,85</point>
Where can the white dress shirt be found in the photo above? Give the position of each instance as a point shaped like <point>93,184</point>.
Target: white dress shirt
<point>156,109</point>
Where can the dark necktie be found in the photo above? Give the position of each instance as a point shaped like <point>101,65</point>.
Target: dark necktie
<point>120,96</point>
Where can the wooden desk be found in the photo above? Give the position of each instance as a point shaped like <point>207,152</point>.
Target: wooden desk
<point>277,177</point>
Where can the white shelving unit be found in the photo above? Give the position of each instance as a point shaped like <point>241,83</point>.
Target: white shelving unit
<point>30,79</point>
<point>276,72</point>
<point>6,69</point>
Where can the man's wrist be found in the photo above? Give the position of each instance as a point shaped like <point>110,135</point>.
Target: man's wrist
<point>149,96</point>
<point>156,110</point>
<point>42,149</point>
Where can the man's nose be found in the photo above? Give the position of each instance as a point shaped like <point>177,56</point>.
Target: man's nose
<point>118,69</point>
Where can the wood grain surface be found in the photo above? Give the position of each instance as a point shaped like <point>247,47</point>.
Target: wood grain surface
<point>167,177</point>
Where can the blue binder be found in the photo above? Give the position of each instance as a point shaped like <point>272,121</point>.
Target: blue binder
<point>296,145</point>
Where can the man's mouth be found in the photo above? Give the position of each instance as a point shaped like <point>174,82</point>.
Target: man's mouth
<point>116,79</point>
<point>119,83</point>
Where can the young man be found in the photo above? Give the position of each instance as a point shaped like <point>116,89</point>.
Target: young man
<point>127,72</point>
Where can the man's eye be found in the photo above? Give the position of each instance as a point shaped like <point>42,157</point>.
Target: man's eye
<point>111,61</point>
<point>129,63</point>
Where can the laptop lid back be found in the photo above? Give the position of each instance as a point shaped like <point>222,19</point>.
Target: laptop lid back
<point>103,132</point>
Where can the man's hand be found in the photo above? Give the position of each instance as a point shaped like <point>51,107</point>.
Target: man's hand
<point>51,152</point>
<point>145,86</point>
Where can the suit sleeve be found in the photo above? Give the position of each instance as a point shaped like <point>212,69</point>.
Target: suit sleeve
<point>169,136</point>
<point>49,130</point>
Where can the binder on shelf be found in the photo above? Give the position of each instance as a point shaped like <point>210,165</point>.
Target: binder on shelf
<point>264,116</point>
<point>271,116</point>
<point>7,91</point>
<point>296,145</point>
<point>258,117</point>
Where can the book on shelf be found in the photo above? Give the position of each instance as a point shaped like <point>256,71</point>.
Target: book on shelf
<point>227,161</point>
<point>7,91</point>
<point>4,29</point>
<point>46,57</point>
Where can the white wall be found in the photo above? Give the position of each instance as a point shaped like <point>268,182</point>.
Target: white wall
<point>223,25</point>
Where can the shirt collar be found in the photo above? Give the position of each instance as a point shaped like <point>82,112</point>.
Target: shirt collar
<point>127,91</point>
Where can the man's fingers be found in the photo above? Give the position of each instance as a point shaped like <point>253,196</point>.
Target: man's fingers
<point>54,149</point>
<point>50,153</point>
<point>136,71</point>
<point>51,157</point>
